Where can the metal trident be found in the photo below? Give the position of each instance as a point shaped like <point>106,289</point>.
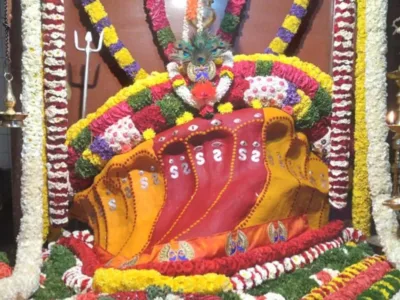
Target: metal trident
<point>88,50</point>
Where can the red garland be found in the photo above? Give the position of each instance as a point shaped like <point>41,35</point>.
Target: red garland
<point>140,295</point>
<point>83,252</point>
<point>232,264</point>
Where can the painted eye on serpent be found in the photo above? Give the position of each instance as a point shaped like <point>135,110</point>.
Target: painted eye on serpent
<point>193,127</point>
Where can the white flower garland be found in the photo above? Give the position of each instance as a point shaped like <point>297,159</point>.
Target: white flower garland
<point>26,276</point>
<point>255,276</point>
<point>200,15</point>
<point>343,62</point>
<point>55,94</point>
<point>378,152</point>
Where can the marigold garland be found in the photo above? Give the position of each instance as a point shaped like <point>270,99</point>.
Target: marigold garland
<point>101,22</point>
<point>361,203</point>
<point>385,288</point>
<point>344,277</point>
<point>361,282</point>
<point>112,281</point>
<point>289,28</point>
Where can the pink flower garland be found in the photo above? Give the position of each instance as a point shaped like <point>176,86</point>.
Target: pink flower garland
<point>343,61</point>
<point>56,109</point>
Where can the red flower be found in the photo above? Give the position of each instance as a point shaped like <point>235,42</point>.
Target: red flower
<point>187,267</point>
<point>324,277</point>
<point>150,117</point>
<point>203,92</point>
<point>88,296</point>
<point>160,90</point>
<point>5,270</point>
<point>236,92</point>
<point>207,111</point>
<point>288,109</point>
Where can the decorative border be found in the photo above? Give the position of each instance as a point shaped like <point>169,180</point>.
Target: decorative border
<point>56,109</point>
<point>361,202</point>
<point>379,177</point>
<point>101,22</point>
<point>342,66</point>
<point>25,278</point>
<point>289,28</point>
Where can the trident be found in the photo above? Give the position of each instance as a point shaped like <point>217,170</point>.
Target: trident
<point>87,50</point>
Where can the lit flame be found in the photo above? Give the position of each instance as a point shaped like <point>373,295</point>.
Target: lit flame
<point>391,117</point>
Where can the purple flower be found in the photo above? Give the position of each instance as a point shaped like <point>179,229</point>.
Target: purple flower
<point>86,2</point>
<point>100,147</point>
<point>114,48</point>
<point>298,11</point>
<point>285,35</point>
<point>292,97</point>
<point>132,69</point>
<point>103,23</point>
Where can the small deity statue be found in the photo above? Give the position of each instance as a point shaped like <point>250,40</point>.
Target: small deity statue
<point>209,15</point>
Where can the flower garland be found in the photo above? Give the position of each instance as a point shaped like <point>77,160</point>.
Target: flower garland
<point>233,264</point>
<point>76,280</point>
<point>56,109</point>
<point>299,283</point>
<point>289,28</point>
<point>249,278</point>
<point>343,60</point>
<point>112,281</point>
<point>385,288</point>
<point>102,23</point>
<point>361,282</point>
<point>379,177</point>
<point>166,38</point>
<point>25,278</point>
<point>361,203</point>
<point>344,277</point>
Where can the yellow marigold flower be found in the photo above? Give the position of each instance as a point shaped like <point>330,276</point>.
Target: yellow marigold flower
<point>95,11</point>
<point>278,45</point>
<point>110,36</point>
<point>301,108</point>
<point>178,83</point>
<point>149,134</point>
<point>351,244</point>
<point>141,74</point>
<point>124,57</point>
<point>291,23</point>
<point>184,118</point>
<point>256,103</point>
<point>94,159</point>
<point>225,108</point>
<point>227,73</point>
<point>302,3</point>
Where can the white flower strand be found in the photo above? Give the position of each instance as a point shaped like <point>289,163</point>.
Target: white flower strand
<point>25,278</point>
<point>185,30</point>
<point>378,152</point>
<point>200,16</point>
